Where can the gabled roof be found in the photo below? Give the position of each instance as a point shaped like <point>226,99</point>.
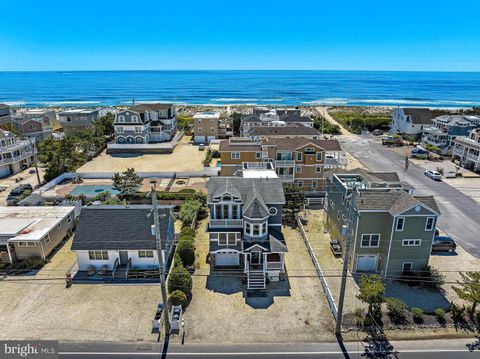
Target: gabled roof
<point>274,243</point>
<point>120,227</point>
<point>297,142</point>
<point>290,130</point>
<point>267,190</point>
<point>256,209</point>
<point>144,107</point>
<point>419,116</point>
<point>394,201</point>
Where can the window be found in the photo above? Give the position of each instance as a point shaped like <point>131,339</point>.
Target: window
<point>138,129</point>
<point>247,228</point>
<point>344,218</point>
<point>273,211</point>
<point>98,255</point>
<point>429,224</point>
<point>235,155</point>
<point>314,184</point>
<point>26,244</point>
<point>256,230</point>
<point>318,169</point>
<point>69,218</point>
<point>46,239</point>
<point>298,169</point>
<point>227,239</point>
<point>145,254</point>
<point>370,240</point>
<point>407,266</point>
<point>300,183</point>
<point>258,155</point>
<point>299,156</point>
<point>400,224</point>
<point>134,118</point>
<point>32,126</point>
<point>411,242</point>
<point>309,150</point>
<point>59,224</point>
<point>332,204</point>
<point>319,156</point>
<point>121,118</point>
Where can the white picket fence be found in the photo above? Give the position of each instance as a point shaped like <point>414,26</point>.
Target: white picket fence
<point>318,269</point>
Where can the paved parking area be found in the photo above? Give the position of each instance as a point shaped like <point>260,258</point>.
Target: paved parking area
<point>40,307</point>
<point>23,177</point>
<point>185,157</point>
<point>294,311</point>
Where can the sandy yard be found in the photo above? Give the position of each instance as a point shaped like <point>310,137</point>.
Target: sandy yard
<point>10,182</point>
<point>184,158</point>
<point>40,307</point>
<point>294,310</point>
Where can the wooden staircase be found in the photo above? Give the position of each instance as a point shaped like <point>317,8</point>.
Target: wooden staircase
<point>256,280</point>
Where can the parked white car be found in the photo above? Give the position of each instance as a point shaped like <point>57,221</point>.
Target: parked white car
<point>437,176</point>
<point>450,174</point>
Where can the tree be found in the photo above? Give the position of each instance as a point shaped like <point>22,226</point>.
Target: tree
<point>126,183</point>
<point>186,251</point>
<point>59,155</point>
<point>236,121</point>
<point>180,279</point>
<point>294,200</point>
<point>188,210</point>
<point>371,292</point>
<point>469,289</point>
<point>177,297</point>
<point>104,125</point>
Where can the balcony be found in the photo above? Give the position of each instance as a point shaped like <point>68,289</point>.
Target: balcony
<point>15,159</point>
<point>286,178</point>
<point>332,162</point>
<point>279,163</point>
<point>473,157</point>
<point>226,223</point>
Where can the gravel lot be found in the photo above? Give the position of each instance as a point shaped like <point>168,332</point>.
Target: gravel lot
<point>185,157</point>
<point>11,184</point>
<point>295,310</point>
<point>40,307</point>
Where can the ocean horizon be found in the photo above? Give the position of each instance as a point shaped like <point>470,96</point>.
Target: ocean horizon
<point>240,87</point>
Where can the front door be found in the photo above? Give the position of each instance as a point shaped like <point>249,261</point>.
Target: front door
<point>123,257</point>
<point>256,257</point>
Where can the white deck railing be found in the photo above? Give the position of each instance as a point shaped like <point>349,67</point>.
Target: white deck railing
<point>226,223</point>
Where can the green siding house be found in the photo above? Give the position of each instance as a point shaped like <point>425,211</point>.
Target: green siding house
<point>392,230</point>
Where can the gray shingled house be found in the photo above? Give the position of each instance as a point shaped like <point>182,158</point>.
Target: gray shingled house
<point>393,230</point>
<point>245,227</point>
<point>117,238</point>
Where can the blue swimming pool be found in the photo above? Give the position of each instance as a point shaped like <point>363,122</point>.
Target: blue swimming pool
<point>92,190</point>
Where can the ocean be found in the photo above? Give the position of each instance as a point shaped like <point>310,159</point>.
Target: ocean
<point>289,88</point>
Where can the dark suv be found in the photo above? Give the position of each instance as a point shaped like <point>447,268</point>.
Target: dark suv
<point>443,243</point>
<point>17,192</point>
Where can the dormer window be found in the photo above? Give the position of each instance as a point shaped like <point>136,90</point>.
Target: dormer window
<point>226,198</point>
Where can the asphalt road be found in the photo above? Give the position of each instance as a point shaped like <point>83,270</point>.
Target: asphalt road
<point>428,349</point>
<point>460,215</point>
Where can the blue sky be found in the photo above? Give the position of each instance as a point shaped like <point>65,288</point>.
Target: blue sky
<point>421,35</point>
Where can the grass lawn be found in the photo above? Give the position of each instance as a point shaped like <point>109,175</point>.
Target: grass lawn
<point>358,118</point>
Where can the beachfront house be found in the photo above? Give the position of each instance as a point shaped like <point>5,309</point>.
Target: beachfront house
<point>289,131</point>
<point>410,121</point>
<point>116,239</point>
<point>466,150</point>
<point>5,114</point>
<point>392,230</point>
<point>245,227</point>
<point>33,231</point>
<point>75,121</point>
<point>145,123</point>
<point>15,154</point>
<point>445,129</point>
<point>264,117</point>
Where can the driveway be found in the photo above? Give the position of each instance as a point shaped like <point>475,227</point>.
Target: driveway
<point>23,177</point>
<point>293,310</point>
<point>460,213</point>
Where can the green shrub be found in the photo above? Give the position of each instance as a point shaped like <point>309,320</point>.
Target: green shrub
<point>417,315</point>
<point>185,238</point>
<point>177,297</point>
<point>187,190</point>
<point>458,313</point>
<point>187,231</point>
<point>359,317</point>
<point>396,309</point>
<point>188,210</point>
<point>177,261</point>
<point>440,315</point>
<point>180,279</point>
<point>186,251</point>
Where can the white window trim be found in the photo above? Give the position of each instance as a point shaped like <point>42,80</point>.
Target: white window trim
<point>370,240</point>
<point>318,169</point>
<point>433,224</point>
<point>69,218</point>
<point>298,169</point>
<point>227,243</point>
<point>314,184</point>
<point>403,265</point>
<point>406,243</point>
<point>46,239</point>
<point>143,253</point>
<point>396,224</point>
<point>103,254</point>
<point>273,211</point>
<point>321,156</point>
<point>235,155</point>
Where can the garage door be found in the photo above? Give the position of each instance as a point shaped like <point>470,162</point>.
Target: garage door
<point>199,139</point>
<point>210,138</point>
<point>227,259</point>
<point>366,263</point>
<point>4,172</point>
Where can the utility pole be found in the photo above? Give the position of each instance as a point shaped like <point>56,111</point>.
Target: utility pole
<point>35,161</point>
<point>156,220</point>
<point>348,232</point>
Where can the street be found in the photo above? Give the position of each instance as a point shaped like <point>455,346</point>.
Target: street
<point>460,215</point>
<point>426,349</point>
